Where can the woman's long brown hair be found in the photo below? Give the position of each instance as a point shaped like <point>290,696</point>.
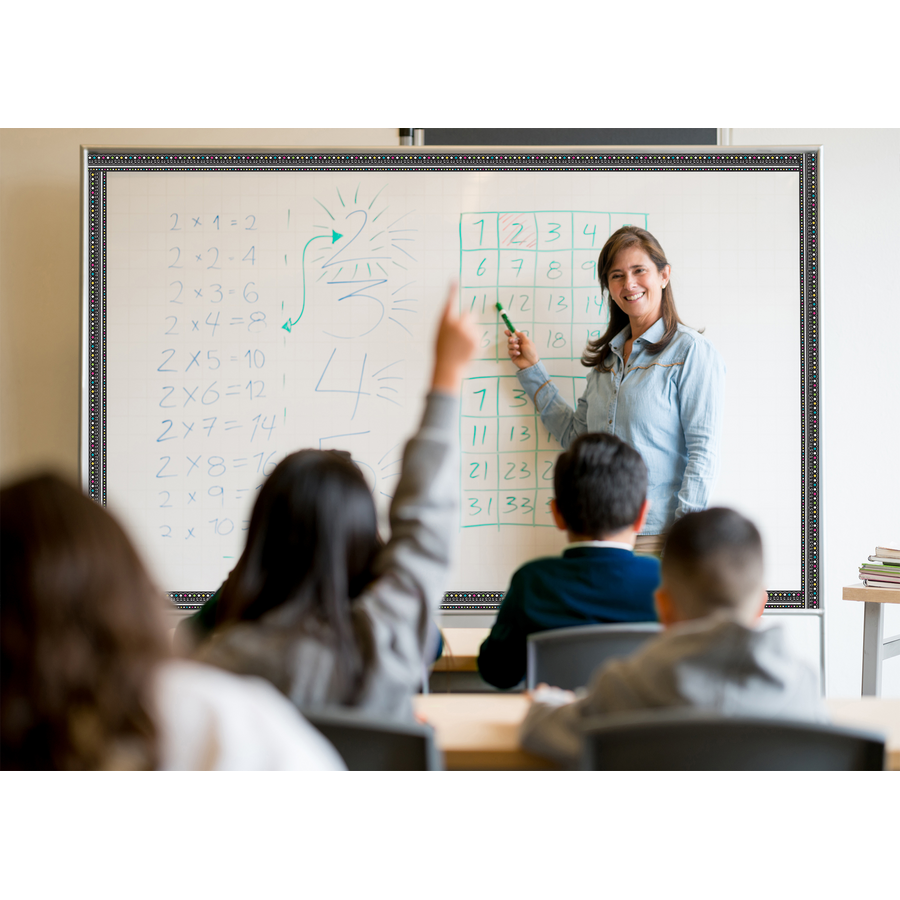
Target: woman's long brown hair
<point>82,632</point>
<point>630,236</point>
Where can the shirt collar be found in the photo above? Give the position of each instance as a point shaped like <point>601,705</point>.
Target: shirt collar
<point>616,544</point>
<point>653,334</point>
<point>618,342</point>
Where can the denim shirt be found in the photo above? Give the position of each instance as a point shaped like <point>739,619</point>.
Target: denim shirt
<point>668,406</point>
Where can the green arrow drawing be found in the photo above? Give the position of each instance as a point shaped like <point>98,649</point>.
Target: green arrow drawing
<point>334,238</point>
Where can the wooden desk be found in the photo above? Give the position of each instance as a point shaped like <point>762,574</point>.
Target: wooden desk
<point>876,648</point>
<point>480,731</point>
<point>875,714</point>
<point>460,649</point>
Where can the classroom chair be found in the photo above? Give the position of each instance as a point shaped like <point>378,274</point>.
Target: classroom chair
<point>368,743</point>
<point>567,657</point>
<point>691,740</point>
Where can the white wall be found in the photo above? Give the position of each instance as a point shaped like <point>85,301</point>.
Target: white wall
<point>860,374</point>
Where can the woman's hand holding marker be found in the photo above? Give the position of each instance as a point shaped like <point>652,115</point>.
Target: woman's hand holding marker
<point>520,347</point>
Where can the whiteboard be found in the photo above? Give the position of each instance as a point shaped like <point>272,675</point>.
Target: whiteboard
<point>250,310</point>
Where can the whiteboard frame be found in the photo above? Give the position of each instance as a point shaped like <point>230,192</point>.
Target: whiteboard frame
<point>97,161</point>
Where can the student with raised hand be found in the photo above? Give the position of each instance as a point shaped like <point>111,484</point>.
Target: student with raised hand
<point>88,681</point>
<point>316,604</point>
<point>601,503</point>
<point>711,656</point>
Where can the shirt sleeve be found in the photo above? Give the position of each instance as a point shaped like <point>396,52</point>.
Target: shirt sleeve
<point>554,732</point>
<point>209,719</point>
<point>502,657</point>
<point>701,398</point>
<point>564,423</point>
<point>412,567</point>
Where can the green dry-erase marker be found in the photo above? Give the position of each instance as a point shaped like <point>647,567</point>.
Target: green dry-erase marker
<point>505,317</point>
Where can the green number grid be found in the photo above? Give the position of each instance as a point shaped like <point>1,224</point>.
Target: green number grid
<point>541,266</point>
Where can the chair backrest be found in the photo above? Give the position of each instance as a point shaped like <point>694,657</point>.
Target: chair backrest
<point>567,657</point>
<point>368,743</point>
<point>687,740</point>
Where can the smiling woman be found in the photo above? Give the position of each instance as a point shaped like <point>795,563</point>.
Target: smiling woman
<point>653,381</point>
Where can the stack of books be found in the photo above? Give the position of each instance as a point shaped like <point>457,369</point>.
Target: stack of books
<point>882,570</point>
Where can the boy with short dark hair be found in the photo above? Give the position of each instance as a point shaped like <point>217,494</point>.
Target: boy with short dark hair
<point>710,657</point>
<point>600,484</point>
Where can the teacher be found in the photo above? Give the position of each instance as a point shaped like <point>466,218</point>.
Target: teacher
<point>653,381</point>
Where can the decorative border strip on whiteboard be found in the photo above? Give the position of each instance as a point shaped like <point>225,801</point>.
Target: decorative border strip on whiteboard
<point>97,163</point>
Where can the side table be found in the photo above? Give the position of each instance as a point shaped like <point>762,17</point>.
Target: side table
<point>876,648</point>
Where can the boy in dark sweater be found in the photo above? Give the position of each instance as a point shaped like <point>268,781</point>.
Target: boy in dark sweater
<point>601,488</point>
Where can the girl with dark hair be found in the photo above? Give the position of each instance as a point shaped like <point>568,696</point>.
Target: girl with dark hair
<point>315,603</point>
<point>653,382</point>
<point>88,680</point>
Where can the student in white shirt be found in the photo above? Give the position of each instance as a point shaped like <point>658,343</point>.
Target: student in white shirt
<point>88,681</point>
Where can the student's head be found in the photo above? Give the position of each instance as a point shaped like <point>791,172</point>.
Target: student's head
<point>311,543</point>
<point>601,486</point>
<point>713,562</point>
<point>81,634</point>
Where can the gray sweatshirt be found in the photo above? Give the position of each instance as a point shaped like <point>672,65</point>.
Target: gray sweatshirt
<point>714,664</point>
<point>395,609</point>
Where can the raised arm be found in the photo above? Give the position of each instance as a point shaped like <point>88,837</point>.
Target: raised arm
<point>411,569</point>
